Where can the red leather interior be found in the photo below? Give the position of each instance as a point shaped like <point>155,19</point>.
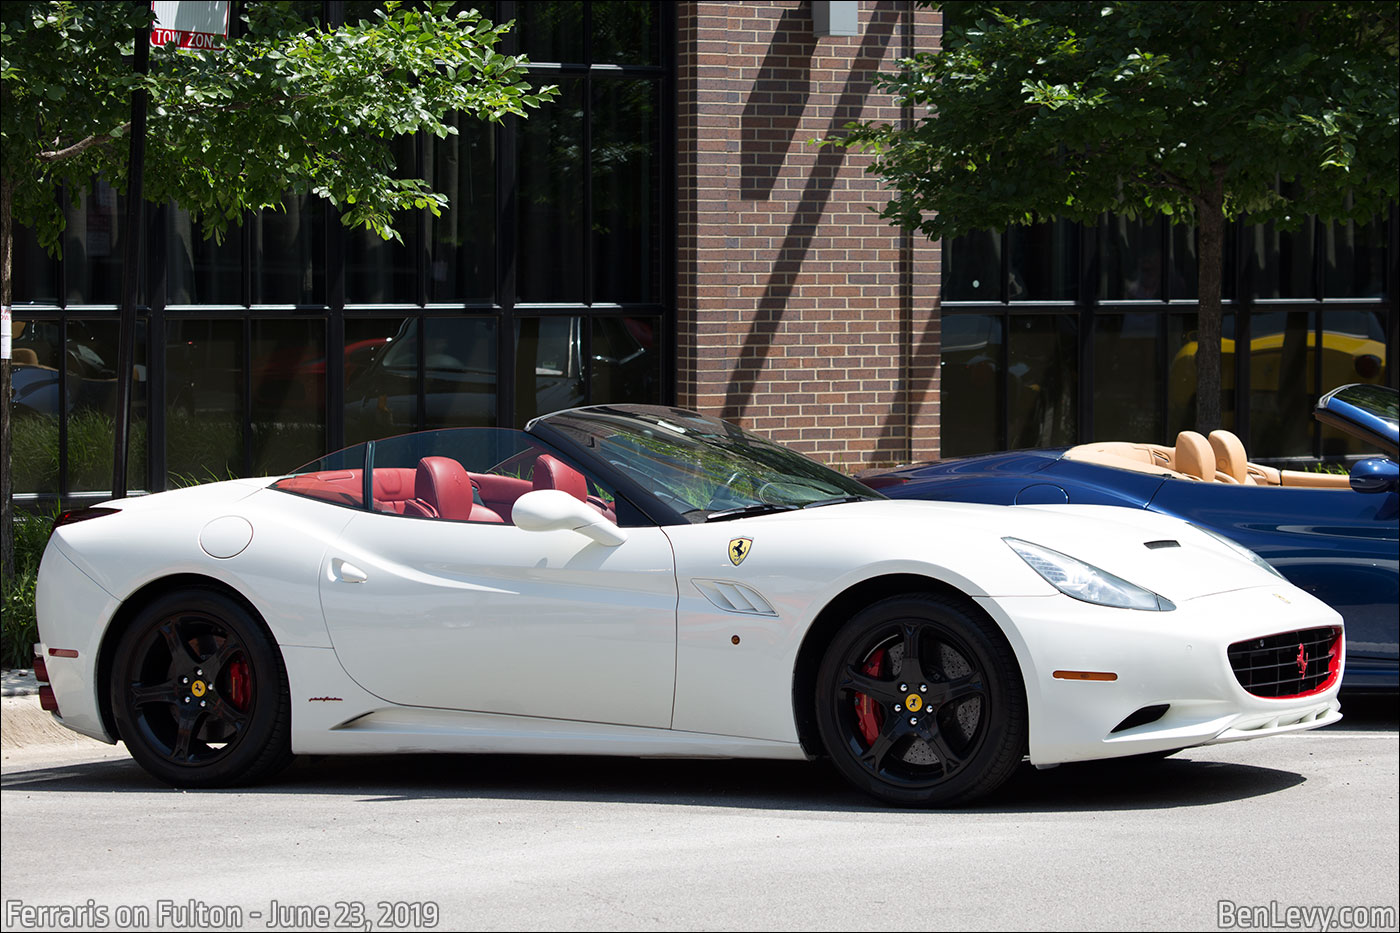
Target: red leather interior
<point>443,484</point>
<point>553,473</point>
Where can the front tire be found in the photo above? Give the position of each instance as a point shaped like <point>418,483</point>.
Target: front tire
<point>919,702</point>
<point>199,692</point>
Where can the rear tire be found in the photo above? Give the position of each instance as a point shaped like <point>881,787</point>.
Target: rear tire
<point>199,692</point>
<point>919,702</point>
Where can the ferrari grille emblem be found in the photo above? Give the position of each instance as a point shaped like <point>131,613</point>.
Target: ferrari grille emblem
<point>197,688</point>
<point>1302,660</point>
<point>739,549</point>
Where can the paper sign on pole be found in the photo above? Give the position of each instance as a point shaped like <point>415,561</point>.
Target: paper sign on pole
<point>192,24</point>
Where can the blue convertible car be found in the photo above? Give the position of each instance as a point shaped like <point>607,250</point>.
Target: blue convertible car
<point>1333,535</point>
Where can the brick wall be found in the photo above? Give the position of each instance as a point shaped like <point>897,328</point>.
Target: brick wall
<point>801,313</point>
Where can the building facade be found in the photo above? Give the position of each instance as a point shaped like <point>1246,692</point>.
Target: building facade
<point>669,231</point>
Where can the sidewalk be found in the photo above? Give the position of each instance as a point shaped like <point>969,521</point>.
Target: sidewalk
<point>22,723</point>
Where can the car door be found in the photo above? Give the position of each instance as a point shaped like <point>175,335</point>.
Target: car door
<point>1337,544</point>
<point>493,618</point>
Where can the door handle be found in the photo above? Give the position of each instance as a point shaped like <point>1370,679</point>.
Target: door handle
<point>345,572</point>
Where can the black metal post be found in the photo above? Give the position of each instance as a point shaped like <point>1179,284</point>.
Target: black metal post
<point>131,263</point>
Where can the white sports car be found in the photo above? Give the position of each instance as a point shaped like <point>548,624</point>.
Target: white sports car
<point>640,580</point>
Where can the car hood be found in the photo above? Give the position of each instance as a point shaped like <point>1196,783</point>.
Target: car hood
<point>968,535</point>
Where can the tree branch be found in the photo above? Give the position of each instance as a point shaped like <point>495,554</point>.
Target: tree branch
<point>81,146</point>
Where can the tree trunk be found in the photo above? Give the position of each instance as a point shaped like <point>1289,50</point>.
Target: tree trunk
<point>7,510</point>
<point>1210,265</point>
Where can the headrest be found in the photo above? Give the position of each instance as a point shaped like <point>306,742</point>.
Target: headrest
<point>1230,458</point>
<point>1194,456</point>
<point>444,484</point>
<point>553,473</point>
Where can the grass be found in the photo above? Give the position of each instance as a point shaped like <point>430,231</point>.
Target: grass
<point>19,632</point>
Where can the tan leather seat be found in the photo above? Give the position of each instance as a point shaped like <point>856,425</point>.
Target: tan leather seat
<point>1194,456</point>
<point>1230,459</point>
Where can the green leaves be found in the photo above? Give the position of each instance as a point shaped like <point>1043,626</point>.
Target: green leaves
<point>289,107</point>
<point>1068,109</point>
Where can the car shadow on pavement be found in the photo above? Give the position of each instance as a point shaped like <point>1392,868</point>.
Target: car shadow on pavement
<point>743,784</point>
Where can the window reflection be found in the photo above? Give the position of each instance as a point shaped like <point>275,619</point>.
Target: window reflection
<point>625,365</point>
<point>199,270</point>
<point>549,255</point>
<point>551,32</point>
<point>35,383</point>
<point>462,263</point>
<point>204,400</point>
<point>626,191</point>
<point>288,393</point>
<point>971,384</point>
<point>1044,261</point>
<point>626,32</point>
<point>369,385</point>
<point>548,365</point>
<point>91,359</point>
<point>288,249</point>
<point>92,247</point>
<point>972,271</point>
<point>1042,381</point>
<point>380,271</point>
<point>1128,384</point>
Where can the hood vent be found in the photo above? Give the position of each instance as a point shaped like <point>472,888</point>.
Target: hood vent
<point>1157,545</point>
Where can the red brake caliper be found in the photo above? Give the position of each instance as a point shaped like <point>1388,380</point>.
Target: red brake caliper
<point>239,684</point>
<point>869,716</point>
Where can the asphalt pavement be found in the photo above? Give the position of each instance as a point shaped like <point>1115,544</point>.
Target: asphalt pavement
<point>1293,832</point>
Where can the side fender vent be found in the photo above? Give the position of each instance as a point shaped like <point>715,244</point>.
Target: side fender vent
<point>734,597</point>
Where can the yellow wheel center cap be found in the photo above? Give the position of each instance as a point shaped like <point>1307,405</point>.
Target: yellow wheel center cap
<point>198,688</point>
<point>915,703</point>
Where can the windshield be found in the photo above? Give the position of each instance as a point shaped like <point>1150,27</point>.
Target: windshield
<point>704,468</point>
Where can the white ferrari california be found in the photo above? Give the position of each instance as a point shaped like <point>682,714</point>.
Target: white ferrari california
<point>646,581</point>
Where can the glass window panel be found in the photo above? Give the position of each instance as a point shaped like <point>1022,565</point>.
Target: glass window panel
<point>1130,258</point>
<point>1184,261</point>
<point>460,372</point>
<point>551,31</point>
<point>1281,261</point>
<point>1353,348</point>
<point>626,32</point>
<point>92,247</point>
<point>199,270</point>
<point>972,384</point>
<point>289,250</point>
<point>34,272</point>
<point>549,254</point>
<point>37,358</point>
<point>380,271</point>
<point>381,377</point>
<point>288,373</point>
<point>204,400</point>
<point>972,267</point>
<point>626,191</point>
<point>1282,387</point>
<point>1128,383</point>
<point>548,365</point>
<point>462,260</point>
<point>1044,261</point>
<point>1043,380</point>
<point>1181,377</point>
<point>1354,259</point>
<point>92,389</point>
<point>625,365</point>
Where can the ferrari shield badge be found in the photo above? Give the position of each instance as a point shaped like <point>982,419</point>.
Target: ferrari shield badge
<point>739,549</point>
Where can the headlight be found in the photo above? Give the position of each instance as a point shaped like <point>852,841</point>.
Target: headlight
<point>1085,581</point>
<point>1243,551</point>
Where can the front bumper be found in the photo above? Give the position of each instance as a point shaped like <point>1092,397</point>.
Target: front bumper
<point>1175,660</point>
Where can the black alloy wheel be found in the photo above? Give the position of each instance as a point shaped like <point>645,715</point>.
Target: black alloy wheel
<point>920,702</point>
<point>199,692</point>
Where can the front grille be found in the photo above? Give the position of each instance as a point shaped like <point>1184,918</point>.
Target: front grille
<point>1293,664</point>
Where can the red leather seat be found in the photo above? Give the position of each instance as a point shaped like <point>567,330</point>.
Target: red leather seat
<point>553,473</point>
<point>443,484</point>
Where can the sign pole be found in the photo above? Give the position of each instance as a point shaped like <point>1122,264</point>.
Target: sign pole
<point>131,259</point>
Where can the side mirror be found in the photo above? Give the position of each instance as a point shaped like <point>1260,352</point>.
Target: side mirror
<point>1375,475</point>
<point>554,510</point>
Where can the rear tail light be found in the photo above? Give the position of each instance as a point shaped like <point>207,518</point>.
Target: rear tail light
<point>47,701</point>
<point>72,516</point>
<point>41,670</point>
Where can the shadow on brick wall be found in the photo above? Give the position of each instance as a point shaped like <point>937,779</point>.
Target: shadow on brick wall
<point>775,79</point>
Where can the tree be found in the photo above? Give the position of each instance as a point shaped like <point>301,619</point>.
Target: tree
<point>286,109</point>
<point>1204,112</point>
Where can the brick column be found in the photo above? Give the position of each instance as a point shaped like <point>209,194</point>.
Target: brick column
<point>801,314</point>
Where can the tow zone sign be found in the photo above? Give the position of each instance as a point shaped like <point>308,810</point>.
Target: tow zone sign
<point>191,24</point>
